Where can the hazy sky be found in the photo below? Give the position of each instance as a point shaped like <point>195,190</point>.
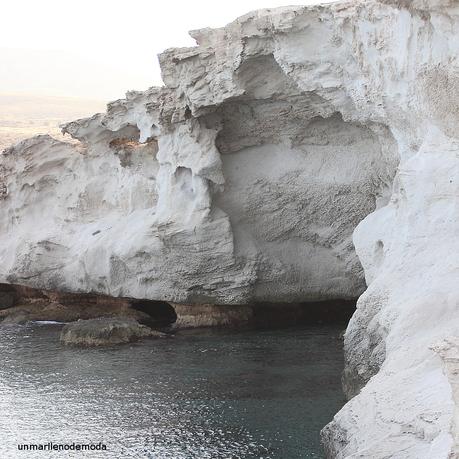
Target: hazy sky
<point>101,48</point>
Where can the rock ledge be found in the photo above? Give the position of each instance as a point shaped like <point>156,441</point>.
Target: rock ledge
<point>106,331</point>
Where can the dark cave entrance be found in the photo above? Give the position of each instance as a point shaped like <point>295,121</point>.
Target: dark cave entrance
<point>157,313</point>
<point>328,312</point>
<point>8,296</point>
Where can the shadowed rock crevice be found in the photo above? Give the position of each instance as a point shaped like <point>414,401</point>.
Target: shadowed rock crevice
<point>264,315</point>
<point>19,304</point>
<point>310,313</point>
<point>22,304</point>
<point>160,313</point>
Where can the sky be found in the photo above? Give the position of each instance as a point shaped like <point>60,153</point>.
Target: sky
<point>99,49</point>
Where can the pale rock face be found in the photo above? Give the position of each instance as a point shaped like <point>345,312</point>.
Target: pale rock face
<point>409,251</point>
<point>240,181</point>
<point>243,180</point>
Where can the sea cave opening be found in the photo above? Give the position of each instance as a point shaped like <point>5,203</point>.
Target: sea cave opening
<point>157,313</point>
<point>325,312</point>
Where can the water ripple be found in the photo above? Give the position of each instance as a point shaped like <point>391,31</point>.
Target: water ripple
<point>252,394</point>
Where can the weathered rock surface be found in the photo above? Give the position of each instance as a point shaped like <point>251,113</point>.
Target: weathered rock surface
<point>105,332</point>
<point>45,310</point>
<point>243,179</point>
<point>28,304</point>
<point>209,315</point>
<point>409,251</point>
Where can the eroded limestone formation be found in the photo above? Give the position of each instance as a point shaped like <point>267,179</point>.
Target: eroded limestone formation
<point>243,179</point>
<point>240,181</point>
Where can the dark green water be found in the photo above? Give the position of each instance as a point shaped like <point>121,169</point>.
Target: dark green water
<point>206,394</point>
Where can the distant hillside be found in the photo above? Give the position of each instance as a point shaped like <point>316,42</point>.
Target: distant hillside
<point>23,115</point>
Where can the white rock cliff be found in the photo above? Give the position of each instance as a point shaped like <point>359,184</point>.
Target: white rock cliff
<point>278,144</point>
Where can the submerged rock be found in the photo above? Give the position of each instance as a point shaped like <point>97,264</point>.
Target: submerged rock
<point>15,319</point>
<point>106,331</point>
